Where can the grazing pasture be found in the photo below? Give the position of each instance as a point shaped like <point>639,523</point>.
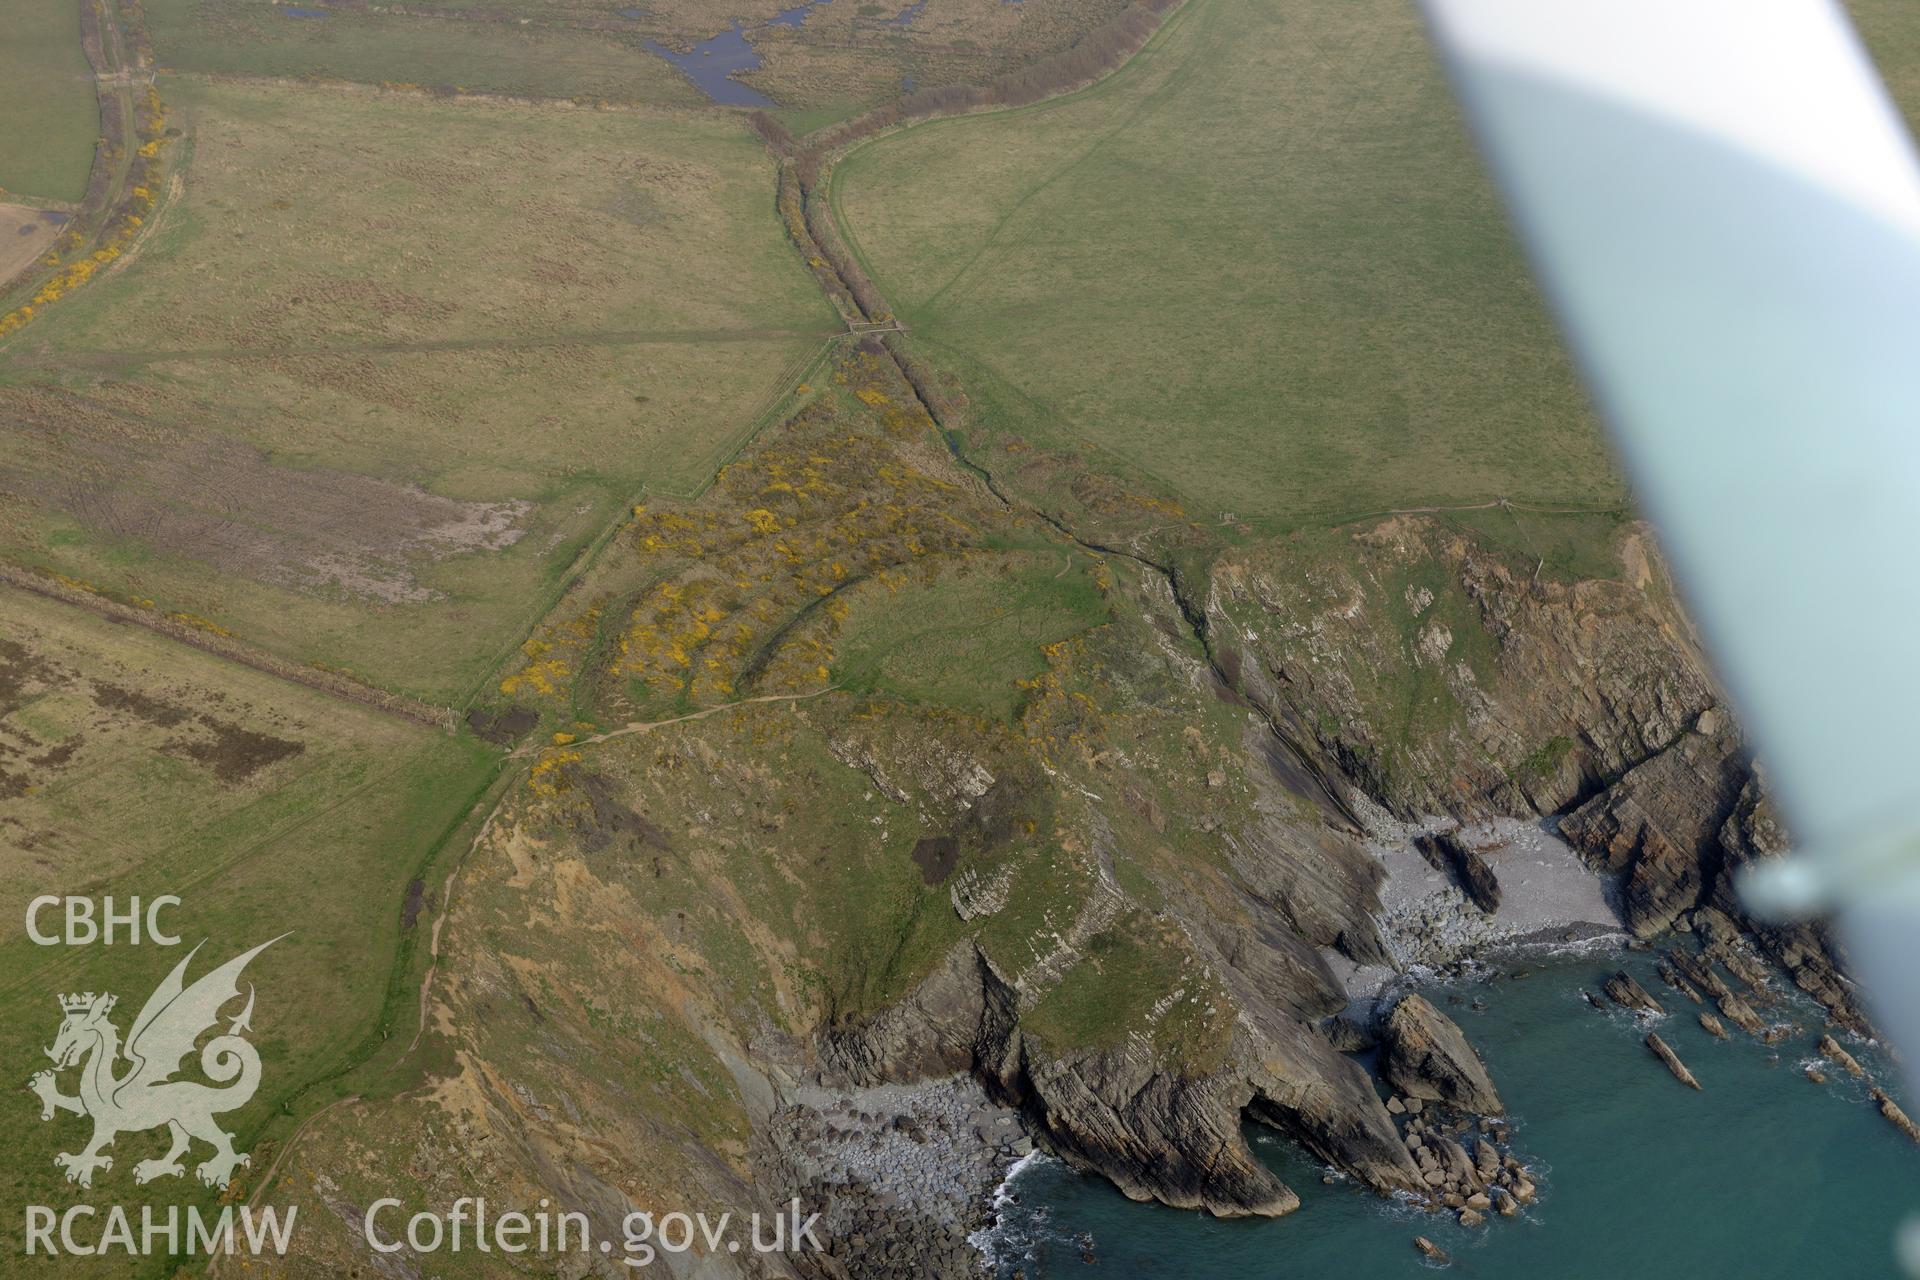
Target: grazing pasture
<point>385,364</point>
<point>130,766</point>
<point>1258,271</point>
<point>47,102</point>
<point>487,52</point>
<point>819,62</point>
<point>970,637</point>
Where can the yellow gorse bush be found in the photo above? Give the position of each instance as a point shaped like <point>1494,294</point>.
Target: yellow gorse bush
<point>122,223</point>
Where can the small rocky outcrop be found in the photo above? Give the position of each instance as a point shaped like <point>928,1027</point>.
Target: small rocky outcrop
<point>960,1014</point>
<point>1629,994</point>
<point>1672,1059</point>
<point>1424,1055</point>
<point>1713,1026</point>
<point>1448,853</point>
<point>1891,1110</point>
<point>1672,977</point>
<point>1698,971</point>
<point>1154,1133</point>
<point>1741,1014</point>
<point>1482,1182</point>
<point>1831,1050</point>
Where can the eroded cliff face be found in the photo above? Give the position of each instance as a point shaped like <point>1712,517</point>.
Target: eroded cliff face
<point>1442,676</point>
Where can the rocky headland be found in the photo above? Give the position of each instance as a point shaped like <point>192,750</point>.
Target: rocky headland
<point>869,952</point>
<point>1586,788</point>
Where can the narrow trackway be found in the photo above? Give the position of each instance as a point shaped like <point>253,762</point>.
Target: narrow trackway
<point>1510,504</point>
<point>220,1254</point>
<point>604,338</point>
<point>232,648</point>
<point>428,346</point>
<point>642,726</point>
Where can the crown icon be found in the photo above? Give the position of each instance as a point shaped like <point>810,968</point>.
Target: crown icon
<point>81,1002</point>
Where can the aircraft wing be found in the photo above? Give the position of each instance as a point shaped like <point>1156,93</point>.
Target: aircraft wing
<point>1724,209</point>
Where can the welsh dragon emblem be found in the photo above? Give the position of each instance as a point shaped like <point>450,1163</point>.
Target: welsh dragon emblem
<point>145,1095</point>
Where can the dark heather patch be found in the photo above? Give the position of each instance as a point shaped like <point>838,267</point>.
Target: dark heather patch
<point>55,756</point>
<point>608,818</point>
<point>1227,661</point>
<point>415,903</point>
<point>936,856</point>
<point>233,753</point>
<point>155,711</point>
<point>12,785</point>
<point>1225,681</point>
<point>19,667</point>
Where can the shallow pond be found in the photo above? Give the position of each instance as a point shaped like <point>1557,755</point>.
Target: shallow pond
<point>714,62</point>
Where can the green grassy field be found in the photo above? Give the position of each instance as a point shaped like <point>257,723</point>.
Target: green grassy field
<point>967,637</point>
<point>386,364</point>
<point>135,766</point>
<point>233,37</point>
<point>1887,29</point>
<point>845,56</point>
<point>47,101</point>
<point>1258,270</point>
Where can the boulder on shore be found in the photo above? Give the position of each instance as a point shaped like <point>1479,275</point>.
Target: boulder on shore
<point>1424,1055</point>
<point>1446,852</point>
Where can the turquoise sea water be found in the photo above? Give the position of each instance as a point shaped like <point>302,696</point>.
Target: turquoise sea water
<point>1762,1174</point>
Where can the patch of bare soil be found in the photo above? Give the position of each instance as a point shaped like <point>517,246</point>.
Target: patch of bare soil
<point>503,728</point>
<point>936,857</point>
<point>25,234</point>
<point>226,503</point>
